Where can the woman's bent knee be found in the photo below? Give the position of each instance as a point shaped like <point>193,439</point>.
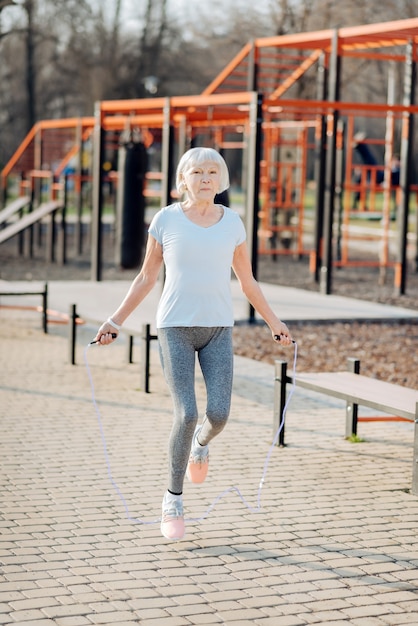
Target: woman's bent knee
<point>218,420</point>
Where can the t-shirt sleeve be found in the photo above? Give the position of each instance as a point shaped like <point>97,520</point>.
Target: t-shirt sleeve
<point>155,228</point>
<point>241,235</point>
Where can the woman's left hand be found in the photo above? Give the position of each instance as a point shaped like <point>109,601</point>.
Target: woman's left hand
<point>281,334</point>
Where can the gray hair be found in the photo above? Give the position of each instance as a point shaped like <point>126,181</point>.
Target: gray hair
<point>193,157</point>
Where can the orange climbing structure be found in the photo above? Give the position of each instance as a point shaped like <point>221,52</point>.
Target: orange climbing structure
<point>299,170</point>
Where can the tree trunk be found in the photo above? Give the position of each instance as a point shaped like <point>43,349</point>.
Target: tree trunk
<point>30,65</point>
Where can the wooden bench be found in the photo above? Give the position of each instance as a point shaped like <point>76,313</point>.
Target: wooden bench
<point>28,292</point>
<point>31,218</point>
<point>356,390</point>
<point>27,222</point>
<point>13,208</point>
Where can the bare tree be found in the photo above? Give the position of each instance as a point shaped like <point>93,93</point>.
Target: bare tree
<point>29,8</point>
<point>151,43</point>
<point>3,5</point>
<point>60,56</point>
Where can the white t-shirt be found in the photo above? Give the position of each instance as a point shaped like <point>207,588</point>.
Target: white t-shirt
<point>197,288</point>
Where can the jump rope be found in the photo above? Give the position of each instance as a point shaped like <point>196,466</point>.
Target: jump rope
<point>253,509</point>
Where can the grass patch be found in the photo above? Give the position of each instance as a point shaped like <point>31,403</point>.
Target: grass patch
<point>355,439</point>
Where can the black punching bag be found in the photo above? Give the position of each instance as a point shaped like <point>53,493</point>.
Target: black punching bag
<point>132,237</point>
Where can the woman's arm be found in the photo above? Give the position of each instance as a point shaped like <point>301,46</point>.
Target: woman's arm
<point>242,268</point>
<point>139,289</point>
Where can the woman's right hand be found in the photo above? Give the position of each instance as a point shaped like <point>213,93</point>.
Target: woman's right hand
<point>106,334</point>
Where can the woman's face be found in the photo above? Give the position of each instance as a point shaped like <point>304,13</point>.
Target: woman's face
<point>202,180</point>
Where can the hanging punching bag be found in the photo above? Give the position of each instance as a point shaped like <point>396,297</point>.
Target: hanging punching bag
<point>132,236</point>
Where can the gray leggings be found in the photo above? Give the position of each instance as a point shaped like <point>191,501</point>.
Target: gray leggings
<point>178,347</point>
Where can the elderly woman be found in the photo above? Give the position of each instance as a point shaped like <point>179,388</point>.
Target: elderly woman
<point>198,241</point>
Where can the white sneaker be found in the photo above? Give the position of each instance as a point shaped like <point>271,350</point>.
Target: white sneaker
<point>172,520</point>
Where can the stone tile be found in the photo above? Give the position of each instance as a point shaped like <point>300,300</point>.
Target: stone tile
<point>333,542</point>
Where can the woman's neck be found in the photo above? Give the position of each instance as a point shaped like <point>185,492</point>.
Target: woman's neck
<point>200,206</point>
<point>202,213</point>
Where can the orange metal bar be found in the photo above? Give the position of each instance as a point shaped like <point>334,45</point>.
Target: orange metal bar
<point>383,34</point>
<point>205,100</point>
<point>192,103</point>
<point>283,251</point>
<point>134,105</point>
<point>40,173</point>
<point>304,67</point>
<point>70,122</point>
<point>374,56</point>
<point>238,100</point>
<point>398,275</point>
<point>354,263</point>
<point>324,106</point>
<point>228,69</point>
<point>21,149</point>
<point>315,39</point>
<point>390,418</point>
<point>282,184</point>
<point>388,33</point>
<point>38,127</point>
<point>118,122</point>
<point>351,39</point>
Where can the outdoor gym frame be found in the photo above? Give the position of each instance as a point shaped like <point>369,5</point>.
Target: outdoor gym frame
<point>256,100</point>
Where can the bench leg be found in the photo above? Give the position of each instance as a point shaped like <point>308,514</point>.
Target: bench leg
<point>351,419</point>
<point>72,336</point>
<point>414,488</point>
<point>351,409</point>
<point>280,380</point>
<point>130,349</point>
<point>45,308</point>
<point>145,353</point>
<point>146,337</point>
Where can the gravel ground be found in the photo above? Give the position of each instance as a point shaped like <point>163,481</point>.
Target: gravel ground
<point>388,351</point>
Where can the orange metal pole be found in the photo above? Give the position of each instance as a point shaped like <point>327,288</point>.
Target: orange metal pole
<point>21,149</point>
<point>211,88</point>
<point>287,84</point>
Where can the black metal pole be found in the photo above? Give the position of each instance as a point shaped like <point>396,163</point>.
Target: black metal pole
<point>280,380</point>
<point>45,309</point>
<point>78,181</point>
<point>405,170</point>
<point>332,123</point>
<point>64,230</point>
<point>320,160</point>
<point>96,217</point>
<point>339,178</point>
<point>167,155</point>
<point>253,184</point>
<point>73,333</point>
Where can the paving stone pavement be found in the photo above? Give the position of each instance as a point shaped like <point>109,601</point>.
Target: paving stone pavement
<point>334,541</point>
